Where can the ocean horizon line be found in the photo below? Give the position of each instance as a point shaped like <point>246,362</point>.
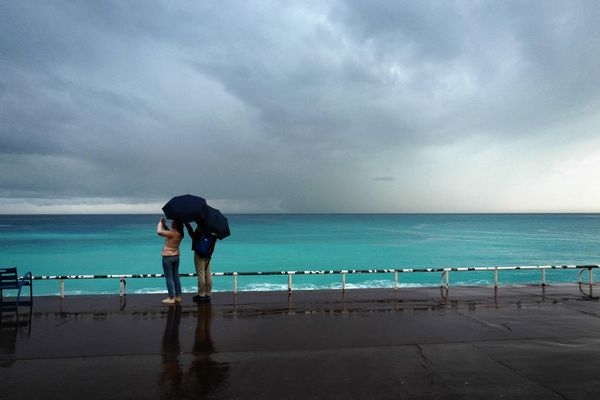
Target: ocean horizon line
<point>328,213</point>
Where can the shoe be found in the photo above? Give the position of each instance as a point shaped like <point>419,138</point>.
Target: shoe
<point>169,300</point>
<point>178,299</point>
<point>201,299</point>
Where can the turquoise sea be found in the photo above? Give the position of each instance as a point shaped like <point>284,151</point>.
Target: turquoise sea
<point>124,244</point>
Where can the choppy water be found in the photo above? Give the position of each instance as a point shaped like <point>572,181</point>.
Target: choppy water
<point>116,244</point>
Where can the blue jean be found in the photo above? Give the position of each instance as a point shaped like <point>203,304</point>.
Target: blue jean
<point>171,269</point>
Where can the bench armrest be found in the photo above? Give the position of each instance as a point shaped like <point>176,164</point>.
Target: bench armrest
<point>27,277</point>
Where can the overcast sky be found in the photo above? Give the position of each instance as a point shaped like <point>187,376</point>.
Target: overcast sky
<point>305,106</point>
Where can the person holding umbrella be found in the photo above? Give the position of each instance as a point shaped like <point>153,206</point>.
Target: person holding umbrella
<point>203,245</point>
<point>170,258</point>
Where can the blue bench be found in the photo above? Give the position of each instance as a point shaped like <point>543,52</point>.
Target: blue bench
<point>9,280</point>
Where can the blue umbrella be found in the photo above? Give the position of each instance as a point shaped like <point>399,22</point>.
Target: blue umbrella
<point>186,208</point>
<point>216,223</point>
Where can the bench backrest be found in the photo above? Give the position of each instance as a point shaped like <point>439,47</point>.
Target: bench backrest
<point>8,277</point>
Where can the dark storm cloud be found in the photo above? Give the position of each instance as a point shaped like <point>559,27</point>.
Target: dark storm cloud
<point>284,103</point>
<point>522,59</point>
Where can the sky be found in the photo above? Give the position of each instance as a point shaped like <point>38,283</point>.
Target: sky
<point>300,106</point>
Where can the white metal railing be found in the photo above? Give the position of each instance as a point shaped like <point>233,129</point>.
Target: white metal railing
<point>445,274</point>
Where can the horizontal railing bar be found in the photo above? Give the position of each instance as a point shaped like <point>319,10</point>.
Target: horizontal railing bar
<point>320,272</point>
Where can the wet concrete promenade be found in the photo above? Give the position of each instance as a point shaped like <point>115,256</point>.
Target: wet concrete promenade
<point>524,342</point>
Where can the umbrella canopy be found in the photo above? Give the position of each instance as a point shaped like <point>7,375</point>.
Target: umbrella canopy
<point>216,223</point>
<point>186,208</point>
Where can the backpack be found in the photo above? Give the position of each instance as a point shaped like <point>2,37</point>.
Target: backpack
<point>205,245</point>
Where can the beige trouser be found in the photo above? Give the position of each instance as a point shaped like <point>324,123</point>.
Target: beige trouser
<point>202,265</point>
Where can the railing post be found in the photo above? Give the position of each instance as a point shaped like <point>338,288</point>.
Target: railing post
<point>496,277</point>
<point>289,282</point>
<point>395,280</point>
<point>235,275</point>
<point>122,287</point>
<point>543,276</point>
<point>591,276</point>
<point>343,281</point>
<point>62,288</point>
<point>446,272</point>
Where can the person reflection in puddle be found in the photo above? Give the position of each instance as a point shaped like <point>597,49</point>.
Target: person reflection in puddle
<point>171,376</point>
<point>206,375</point>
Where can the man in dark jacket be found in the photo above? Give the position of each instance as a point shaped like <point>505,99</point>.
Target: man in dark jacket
<point>202,261</point>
